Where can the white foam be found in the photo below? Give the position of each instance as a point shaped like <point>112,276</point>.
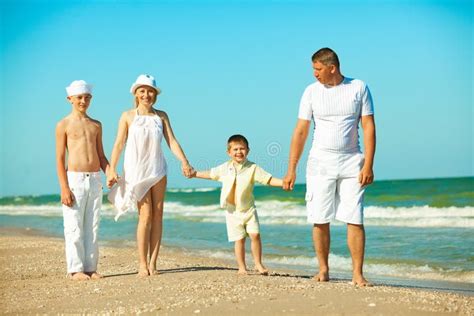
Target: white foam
<point>191,190</point>
<point>275,212</point>
<point>340,264</point>
<point>420,216</point>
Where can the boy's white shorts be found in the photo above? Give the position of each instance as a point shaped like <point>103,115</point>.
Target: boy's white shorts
<point>241,224</point>
<point>333,189</point>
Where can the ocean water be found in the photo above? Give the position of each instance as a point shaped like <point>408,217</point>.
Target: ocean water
<point>417,230</point>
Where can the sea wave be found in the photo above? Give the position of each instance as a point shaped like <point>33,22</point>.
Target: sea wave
<point>286,213</point>
<point>343,265</point>
<point>191,190</point>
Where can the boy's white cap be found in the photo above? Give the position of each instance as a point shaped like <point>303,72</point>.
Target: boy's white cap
<point>144,80</point>
<point>78,87</point>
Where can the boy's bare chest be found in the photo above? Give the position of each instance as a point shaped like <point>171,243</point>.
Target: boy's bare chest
<point>82,131</point>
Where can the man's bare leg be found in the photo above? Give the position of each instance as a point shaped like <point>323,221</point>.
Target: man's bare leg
<point>239,248</point>
<point>356,244</point>
<point>256,246</point>
<point>143,233</point>
<point>79,276</point>
<point>321,241</point>
<point>158,196</point>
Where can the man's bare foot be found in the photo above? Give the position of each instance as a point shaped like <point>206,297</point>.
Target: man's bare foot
<point>79,276</point>
<point>143,272</point>
<point>94,275</point>
<point>261,269</point>
<point>321,277</point>
<point>360,281</point>
<point>242,272</point>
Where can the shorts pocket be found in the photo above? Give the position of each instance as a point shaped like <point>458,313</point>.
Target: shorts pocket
<point>78,192</point>
<point>96,189</point>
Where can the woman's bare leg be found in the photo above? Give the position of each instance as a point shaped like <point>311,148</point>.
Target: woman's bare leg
<point>158,196</point>
<point>143,232</point>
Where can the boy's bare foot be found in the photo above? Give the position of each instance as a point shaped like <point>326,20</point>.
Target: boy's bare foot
<point>79,276</point>
<point>261,270</point>
<point>143,272</point>
<point>242,272</point>
<point>153,271</point>
<point>321,277</point>
<point>360,281</point>
<point>94,275</point>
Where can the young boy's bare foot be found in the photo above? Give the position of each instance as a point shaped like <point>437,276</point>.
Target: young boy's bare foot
<point>79,276</point>
<point>360,281</point>
<point>143,272</point>
<point>321,277</point>
<point>94,275</point>
<point>242,271</point>
<point>261,269</point>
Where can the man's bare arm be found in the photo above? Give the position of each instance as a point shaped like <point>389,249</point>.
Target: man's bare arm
<point>366,175</point>
<point>298,141</point>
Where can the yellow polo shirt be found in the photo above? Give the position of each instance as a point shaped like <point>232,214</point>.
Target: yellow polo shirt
<point>244,176</point>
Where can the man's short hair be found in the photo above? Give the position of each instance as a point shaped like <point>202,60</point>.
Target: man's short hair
<point>326,56</point>
<point>237,138</point>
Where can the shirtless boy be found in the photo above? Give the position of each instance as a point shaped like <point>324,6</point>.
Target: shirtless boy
<point>79,177</point>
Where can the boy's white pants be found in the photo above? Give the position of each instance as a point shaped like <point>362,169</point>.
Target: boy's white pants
<point>81,221</point>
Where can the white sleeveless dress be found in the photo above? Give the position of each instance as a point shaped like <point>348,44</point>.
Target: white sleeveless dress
<point>144,163</point>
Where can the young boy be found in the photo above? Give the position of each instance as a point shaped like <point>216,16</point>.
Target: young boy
<point>81,186</point>
<point>238,176</point>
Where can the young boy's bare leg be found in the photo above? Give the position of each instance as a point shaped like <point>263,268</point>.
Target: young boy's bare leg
<point>158,196</point>
<point>239,248</point>
<point>256,244</point>
<point>79,276</point>
<point>143,233</point>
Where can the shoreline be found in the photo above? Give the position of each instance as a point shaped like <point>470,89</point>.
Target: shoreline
<point>448,286</point>
<point>33,266</point>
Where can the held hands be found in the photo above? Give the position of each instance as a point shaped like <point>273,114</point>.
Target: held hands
<point>112,178</point>
<point>67,197</point>
<point>366,176</point>
<point>289,181</point>
<point>188,170</point>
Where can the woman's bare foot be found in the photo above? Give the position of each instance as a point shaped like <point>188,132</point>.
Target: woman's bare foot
<point>94,275</point>
<point>261,269</point>
<point>143,272</point>
<point>321,277</point>
<point>360,281</point>
<point>79,276</point>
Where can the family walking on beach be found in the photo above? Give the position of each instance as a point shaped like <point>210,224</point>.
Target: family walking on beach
<point>337,172</point>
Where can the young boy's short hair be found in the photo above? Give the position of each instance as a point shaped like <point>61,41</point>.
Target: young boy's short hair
<point>237,138</point>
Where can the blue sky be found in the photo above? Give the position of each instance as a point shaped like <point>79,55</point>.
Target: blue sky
<point>236,67</point>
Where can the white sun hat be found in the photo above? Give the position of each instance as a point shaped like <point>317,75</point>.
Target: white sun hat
<point>78,87</point>
<point>144,80</point>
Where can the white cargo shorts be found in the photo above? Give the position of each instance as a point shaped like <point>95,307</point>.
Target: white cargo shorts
<point>333,190</point>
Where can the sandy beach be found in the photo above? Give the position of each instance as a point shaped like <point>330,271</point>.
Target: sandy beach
<point>33,281</point>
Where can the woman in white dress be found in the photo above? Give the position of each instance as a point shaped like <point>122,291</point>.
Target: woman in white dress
<point>144,181</point>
